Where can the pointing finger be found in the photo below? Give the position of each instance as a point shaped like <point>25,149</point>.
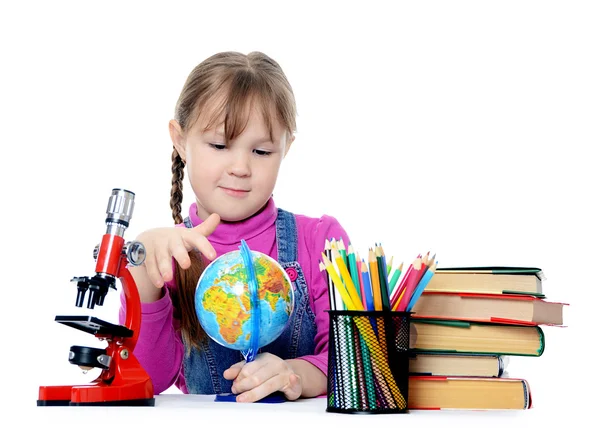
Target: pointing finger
<point>197,240</point>
<point>209,225</point>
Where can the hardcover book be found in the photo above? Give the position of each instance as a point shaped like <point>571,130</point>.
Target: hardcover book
<point>468,393</point>
<point>511,280</point>
<point>498,308</point>
<point>477,338</point>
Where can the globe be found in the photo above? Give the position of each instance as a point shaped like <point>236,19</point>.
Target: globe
<point>232,305</point>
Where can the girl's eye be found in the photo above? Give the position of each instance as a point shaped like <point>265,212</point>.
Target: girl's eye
<point>261,152</point>
<point>218,147</point>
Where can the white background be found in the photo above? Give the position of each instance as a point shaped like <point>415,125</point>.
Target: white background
<point>468,128</point>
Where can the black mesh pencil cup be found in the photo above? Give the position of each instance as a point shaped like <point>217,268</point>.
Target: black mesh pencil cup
<point>368,361</point>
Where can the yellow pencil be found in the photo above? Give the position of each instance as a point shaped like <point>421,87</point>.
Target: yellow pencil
<point>339,285</point>
<point>347,279</point>
<point>364,326</point>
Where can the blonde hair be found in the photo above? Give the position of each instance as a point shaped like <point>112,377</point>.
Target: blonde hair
<point>223,86</point>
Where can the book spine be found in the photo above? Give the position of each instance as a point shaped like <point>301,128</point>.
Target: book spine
<point>542,341</point>
<point>527,402</point>
<point>501,365</point>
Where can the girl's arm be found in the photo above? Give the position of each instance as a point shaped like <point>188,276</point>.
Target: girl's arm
<point>149,293</point>
<point>159,348</point>
<point>312,234</point>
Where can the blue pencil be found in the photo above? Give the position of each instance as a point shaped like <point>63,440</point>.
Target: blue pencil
<point>421,286</point>
<point>364,271</point>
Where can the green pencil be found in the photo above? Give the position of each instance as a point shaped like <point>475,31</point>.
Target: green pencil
<point>385,298</point>
<point>396,276</point>
<point>354,270</point>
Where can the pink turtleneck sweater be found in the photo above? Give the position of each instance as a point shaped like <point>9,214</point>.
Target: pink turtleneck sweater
<point>160,348</point>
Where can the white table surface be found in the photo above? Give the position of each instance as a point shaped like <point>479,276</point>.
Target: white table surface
<point>178,419</point>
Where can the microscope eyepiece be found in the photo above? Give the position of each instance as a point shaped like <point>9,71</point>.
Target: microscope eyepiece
<point>120,207</point>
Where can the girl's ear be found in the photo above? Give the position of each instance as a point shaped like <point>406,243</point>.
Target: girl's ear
<point>289,144</point>
<point>177,138</point>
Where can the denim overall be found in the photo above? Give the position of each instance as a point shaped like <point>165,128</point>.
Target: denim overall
<point>203,368</point>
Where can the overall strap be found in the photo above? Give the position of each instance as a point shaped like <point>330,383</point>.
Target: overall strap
<point>188,222</point>
<point>287,236</point>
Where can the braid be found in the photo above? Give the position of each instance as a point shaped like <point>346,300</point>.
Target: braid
<point>182,295</point>
<point>177,168</point>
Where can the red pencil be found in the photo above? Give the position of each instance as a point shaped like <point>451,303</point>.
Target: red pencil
<point>402,285</point>
<point>411,283</point>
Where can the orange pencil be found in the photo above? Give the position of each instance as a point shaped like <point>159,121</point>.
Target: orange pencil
<point>360,281</point>
<point>398,301</point>
<point>375,286</point>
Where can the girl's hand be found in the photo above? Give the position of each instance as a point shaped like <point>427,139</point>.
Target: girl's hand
<point>163,244</point>
<point>263,376</point>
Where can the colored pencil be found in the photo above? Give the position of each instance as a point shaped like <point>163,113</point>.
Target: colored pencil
<point>332,299</point>
<point>421,286</point>
<point>395,277</point>
<point>396,304</point>
<point>369,382</point>
<point>329,289</point>
<point>411,283</point>
<point>361,373</point>
<point>383,284</point>
<point>345,274</point>
<point>389,266</point>
<point>374,272</point>
<point>341,248</point>
<point>386,271</point>
<point>360,280</point>
<point>337,372</point>
<point>353,270</point>
<point>360,369</point>
<point>367,285</point>
<point>402,284</point>
<point>348,302</point>
<point>381,361</point>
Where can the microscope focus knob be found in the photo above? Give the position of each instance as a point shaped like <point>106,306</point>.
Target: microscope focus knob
<point>135,252</point>
<point>86,357</point>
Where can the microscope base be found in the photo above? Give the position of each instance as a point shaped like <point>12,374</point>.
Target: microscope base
<point>129,395</point>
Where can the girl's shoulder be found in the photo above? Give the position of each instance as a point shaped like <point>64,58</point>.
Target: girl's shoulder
<point>313,231</point>
<point>325,221</point>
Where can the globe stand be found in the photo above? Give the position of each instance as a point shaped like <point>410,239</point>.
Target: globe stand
<point>250,353</point>
<point>274,398</point>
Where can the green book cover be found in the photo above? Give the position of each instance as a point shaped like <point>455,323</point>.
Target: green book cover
<point>466,325</point>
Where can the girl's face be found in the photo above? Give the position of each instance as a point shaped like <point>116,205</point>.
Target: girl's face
<point>234,181</point>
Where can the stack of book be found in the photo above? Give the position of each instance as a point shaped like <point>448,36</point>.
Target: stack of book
<point>466,324</point>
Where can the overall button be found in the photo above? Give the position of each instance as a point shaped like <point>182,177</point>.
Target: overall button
<point>292,273</point>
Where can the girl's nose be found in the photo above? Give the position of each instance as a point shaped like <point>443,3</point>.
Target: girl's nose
<point>239,164</point>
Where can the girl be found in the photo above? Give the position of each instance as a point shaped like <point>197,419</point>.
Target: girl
<point>234,123</point>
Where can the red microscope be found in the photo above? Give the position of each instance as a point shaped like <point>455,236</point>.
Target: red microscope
<point>122,381</point>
